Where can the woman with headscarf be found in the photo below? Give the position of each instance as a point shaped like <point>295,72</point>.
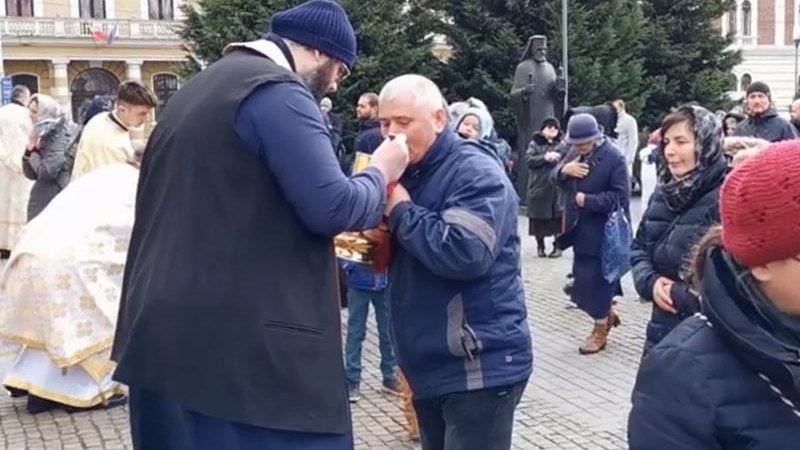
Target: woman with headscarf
<point>729,377</point>
<point>476,124</point>
<point>544,200</point>
<point>730,122</point>
<point>594,181</point>
<point>53,134</point>
<point>691,169</point>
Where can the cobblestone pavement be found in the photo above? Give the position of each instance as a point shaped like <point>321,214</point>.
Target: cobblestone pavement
<point>572,402</point>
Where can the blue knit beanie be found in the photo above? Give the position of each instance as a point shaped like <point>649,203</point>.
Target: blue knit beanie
<point>319,24</point>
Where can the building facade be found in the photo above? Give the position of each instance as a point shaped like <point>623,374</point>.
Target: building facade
<point>76,49</point>
<point>765,32</point>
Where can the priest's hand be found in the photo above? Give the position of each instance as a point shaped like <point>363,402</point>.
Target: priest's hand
<point>391,158</point>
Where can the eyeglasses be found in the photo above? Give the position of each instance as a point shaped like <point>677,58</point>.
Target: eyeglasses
<point>344,72</point>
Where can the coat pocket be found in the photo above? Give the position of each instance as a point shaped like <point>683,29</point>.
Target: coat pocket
<point>292,328</point>
<point>462,340</point>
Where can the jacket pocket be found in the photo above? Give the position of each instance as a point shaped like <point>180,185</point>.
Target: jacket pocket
<point>462,340</point>
<point>292,328</point>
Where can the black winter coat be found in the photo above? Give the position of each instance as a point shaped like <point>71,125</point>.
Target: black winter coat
<point>720,381</point>
<point>662,246</point>
<point>544,199</point>
<point>769,126</point>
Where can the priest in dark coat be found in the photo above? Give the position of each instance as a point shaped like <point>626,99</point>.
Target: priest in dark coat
<point>229,331</point>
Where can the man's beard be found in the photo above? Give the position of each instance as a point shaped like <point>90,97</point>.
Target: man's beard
<point>796,122</point>
<point>319,81</point>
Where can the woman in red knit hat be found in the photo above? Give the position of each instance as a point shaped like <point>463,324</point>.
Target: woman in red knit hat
<point>729,377</point>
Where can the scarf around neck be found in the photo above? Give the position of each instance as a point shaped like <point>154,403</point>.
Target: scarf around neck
<point>710,166</point>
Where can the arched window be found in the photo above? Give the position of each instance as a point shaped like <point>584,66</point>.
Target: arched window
<point>89,83</point>
<point>164,85</point>
<point>732,19</point>
<point>746,18</point>
<point>27,80</point>
<point>745,83</point>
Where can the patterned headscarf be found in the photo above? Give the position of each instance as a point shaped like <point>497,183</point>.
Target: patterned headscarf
<point>709,169</point>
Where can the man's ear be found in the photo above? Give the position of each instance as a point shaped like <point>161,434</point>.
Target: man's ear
<point>440,120</point>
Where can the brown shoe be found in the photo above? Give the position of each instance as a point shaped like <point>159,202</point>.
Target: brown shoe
<point>596,342</point>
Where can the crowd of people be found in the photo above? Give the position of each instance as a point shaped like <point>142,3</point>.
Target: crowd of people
<point>216,312</point>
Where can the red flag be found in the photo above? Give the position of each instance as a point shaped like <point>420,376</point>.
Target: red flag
<point>99,35</point>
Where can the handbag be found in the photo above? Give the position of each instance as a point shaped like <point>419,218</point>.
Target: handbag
<point>616,247</point>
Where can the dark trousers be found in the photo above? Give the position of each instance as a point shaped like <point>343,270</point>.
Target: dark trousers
<point>475,420</point>
<point>158,423</point>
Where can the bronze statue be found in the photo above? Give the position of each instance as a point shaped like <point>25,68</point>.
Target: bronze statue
<point>534,96</point>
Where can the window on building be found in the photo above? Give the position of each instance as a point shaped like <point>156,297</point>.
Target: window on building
<point>164,85</point>
<point>92,9</point>
<point>19,8</point>
<point>746,81</point>
<point>29,81</point>
<point>732,19</point>
<point>87,85</point>
<point>746,18</point>
<point>161,9</point>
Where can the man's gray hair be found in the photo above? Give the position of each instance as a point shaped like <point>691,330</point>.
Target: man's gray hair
<point>421,89</point>
<point>326,102</point>
<point>20,92</point>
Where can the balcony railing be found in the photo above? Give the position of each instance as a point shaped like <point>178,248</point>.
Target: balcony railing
<point>28,27</point>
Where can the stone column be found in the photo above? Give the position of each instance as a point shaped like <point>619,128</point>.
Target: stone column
<point>134,70</point>
<point>60,90</point>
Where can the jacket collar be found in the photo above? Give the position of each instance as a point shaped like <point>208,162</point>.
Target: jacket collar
<point>370,124</point>
<point>440,149</point>
<point>738,324</point>
<point>116,121</point>
<point>270,47</point>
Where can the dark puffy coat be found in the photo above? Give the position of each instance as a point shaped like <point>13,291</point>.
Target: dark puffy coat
<point>544,199</point>
<point>768,126</point>
<point>662,246</point>
<point>47,167</point>
<point>606,186</point>
<point>369,136</point>
<point>705,387</point>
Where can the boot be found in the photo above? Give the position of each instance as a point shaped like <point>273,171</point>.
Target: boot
<point>412,426</point>
<point>540,251</point>
<point>555,254</point>
<point>596,342</point>
<point>613,320</point>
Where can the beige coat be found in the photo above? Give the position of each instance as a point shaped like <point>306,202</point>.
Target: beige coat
<point>15,129</point>
<point>103,142</point>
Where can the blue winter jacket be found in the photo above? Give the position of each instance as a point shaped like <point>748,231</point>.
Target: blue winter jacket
<point>606,186</point>
<point>457,301</point>
<point>663,247</point>
<point>719,381</point>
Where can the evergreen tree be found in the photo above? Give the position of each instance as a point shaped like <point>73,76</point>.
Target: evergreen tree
<point>605,50</point>
<point>487,40</point>
<point>686,57</point>
<point>389,42</point>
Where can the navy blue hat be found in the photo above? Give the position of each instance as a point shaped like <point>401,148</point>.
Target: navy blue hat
<point>320,24</point>
<point>582,129</point>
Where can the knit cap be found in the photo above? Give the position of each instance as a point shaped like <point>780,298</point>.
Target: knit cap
<point>760,206</point>
<point>321,25</point>
<point>758,86</point>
